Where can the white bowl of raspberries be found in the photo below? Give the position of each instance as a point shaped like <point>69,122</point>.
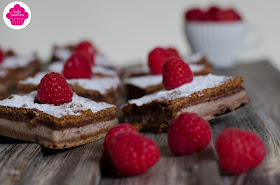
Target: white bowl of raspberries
<point>215,32</point>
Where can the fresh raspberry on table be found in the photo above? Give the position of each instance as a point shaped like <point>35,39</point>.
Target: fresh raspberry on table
<point>124,127</point>
<point>87,49</point>
<point>175,73</point>
<point>132,153</point>
<point>156,59</point>
<point>188,133</point>
<point>53,89</point>
<point>239,150</point>
<point>173,52</point>
<point>77,66</point>
<point>2,55</point>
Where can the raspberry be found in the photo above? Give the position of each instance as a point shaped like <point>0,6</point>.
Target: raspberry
<point>213,12</point>
<point>188,133</point>
<point>87,49</point>
<point>2,55</point>
<point>115,131</point>
<point>230,15</point>
<point>77,66</point>
<point>156,59</point>
<point>194,14</point>
<point>53,89</point>
<point>239,150</point>
<point>173,52</point>
<point>133,154</point>
<point>176,73</point>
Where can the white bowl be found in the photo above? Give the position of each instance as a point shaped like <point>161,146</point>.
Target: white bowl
<point>219,41</point>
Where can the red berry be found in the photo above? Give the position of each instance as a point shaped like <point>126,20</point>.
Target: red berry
<point>213,12</point>
<point>77,66</point>
<point>173,52</point>
<point>115,131</point>
<point>133,154</point>
<point>156,59</point>
<point>87,49</point>
<point>194,14</point>
<point>2,55</point>
<point>176,73</point>
<point>239,150</point>
<point>53,89</point>
<point>188,133</point>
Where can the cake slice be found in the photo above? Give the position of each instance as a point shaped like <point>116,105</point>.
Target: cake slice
<point>98,89</point>
<point>208,96</point>
<point>142,85</point>
<point>63,126</point>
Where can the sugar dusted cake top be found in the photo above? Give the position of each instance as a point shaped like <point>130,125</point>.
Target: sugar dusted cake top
<point>58,67</point>
<point>96,84</point>
<point>198,84</point>
<point>75,107</point>
<point>193,58</point>
<point>144,81</point>
<point>62,53</point>
<point>151,80</point>
<point>13,62</point>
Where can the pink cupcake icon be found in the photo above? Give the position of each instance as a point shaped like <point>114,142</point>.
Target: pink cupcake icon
<point>17,15</point>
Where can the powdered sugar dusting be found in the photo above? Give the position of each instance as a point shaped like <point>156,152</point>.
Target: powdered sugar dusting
<point>198,84</point>
<point>59,65</point>
<point>102,85</point>
<point>75,107</point>
<point>62,53</point>
<point>33,80</point>
<point>151,80</point>
<point>144,81</point>
<point>104,71</point>
<point>3,72</point>
<point>197,67</point>
<point>13,62</point>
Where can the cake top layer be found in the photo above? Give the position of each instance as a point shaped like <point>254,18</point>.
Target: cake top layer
<point>13,62</point>
<point>96,84</point>
<point>74,108</point>
<point>97,69</point>
<point>151,80</point>
<point>144,81</point>
<point>3,72</point>
<point>198,84</point>
<point>196,57</point>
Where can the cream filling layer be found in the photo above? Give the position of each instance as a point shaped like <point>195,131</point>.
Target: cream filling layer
<point>207,110</point>
<point>23,130</point>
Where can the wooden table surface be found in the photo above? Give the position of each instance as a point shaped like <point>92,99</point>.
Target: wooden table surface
<point>30,164</point>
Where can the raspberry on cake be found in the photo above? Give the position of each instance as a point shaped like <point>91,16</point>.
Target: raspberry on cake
<point>156,58</point>
<point>86,48</point>
<point>175,73</point>
<point>104,89</point>
<point>142,85</point>
<point>77,66</point>
<point>208,96</point>
<point>106,66</point>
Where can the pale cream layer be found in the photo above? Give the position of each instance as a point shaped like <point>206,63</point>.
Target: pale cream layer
<point>208,110</point>
<point>36,133</point>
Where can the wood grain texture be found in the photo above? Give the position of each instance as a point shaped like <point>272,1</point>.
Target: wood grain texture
<point>30,164</point>
<point>200,168</point>
<point>262,82</point>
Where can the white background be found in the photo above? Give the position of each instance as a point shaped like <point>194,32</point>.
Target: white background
<point>127,29</point>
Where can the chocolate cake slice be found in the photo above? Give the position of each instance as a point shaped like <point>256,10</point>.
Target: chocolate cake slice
<point>68,125</point>
<point>208,96</point>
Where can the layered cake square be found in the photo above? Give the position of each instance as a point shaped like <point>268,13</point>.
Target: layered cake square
<point>208,96</point>
<point>104,89</point>
<point>142,85</point>
<point>55,126</point>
